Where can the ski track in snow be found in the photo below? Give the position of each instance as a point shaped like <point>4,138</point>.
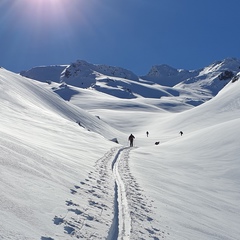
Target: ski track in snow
<point>109,204</point>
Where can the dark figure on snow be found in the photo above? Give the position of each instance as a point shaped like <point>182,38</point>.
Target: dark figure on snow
<point>147,133</point>
<point>181,133</point>
<point>131,138</point>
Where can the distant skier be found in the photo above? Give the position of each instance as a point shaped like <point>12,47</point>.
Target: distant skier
<point>131,138</point>
<point>181,133</point>
<point>147,133</point>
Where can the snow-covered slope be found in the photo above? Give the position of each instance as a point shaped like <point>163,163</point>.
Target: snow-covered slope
<point>211,79</point>
<point>37,97</point>
<point>45,73</point>
<point>196,177</point>
<point>59,180</point>
<point>44,155</point>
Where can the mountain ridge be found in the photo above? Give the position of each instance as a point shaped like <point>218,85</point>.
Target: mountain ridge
<point>190,87</point>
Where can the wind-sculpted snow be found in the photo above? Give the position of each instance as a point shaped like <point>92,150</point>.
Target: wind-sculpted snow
<point>109,192</point>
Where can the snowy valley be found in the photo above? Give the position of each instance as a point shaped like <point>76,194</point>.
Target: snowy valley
<point>63,176</point>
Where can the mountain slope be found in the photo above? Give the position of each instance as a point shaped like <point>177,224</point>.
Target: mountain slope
<point>36,98</point>
<point>60,181</point>
<point>195,176</point>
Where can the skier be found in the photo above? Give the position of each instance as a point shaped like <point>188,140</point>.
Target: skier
<point>147,133</point>
<point>181,133</point>
<point>131,137</point>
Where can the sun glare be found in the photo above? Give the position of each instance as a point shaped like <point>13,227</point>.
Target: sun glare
<point>48,22</point>
<point>44,12</point>
<point>45,2</point>
<point>45,8</point>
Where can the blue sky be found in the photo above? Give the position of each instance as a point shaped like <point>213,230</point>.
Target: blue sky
<point>133,34</point>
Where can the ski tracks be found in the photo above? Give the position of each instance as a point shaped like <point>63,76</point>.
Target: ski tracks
<point>109,204</point>
<point>138,218</point>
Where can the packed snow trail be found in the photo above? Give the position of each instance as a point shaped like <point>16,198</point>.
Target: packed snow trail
<point>123,214</point>
<point>109,204</point>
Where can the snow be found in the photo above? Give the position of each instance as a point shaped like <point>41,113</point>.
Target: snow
<point>45,73</point>
<point>61,176</point>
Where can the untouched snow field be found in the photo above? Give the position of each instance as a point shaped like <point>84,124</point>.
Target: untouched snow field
<point>61,176</point>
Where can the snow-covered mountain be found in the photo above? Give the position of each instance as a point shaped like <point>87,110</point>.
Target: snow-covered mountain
<point>169,76</point>
<point>162,82</point>
<point>62,176</point>
<point>211,79</point>
<point>45,73</point>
